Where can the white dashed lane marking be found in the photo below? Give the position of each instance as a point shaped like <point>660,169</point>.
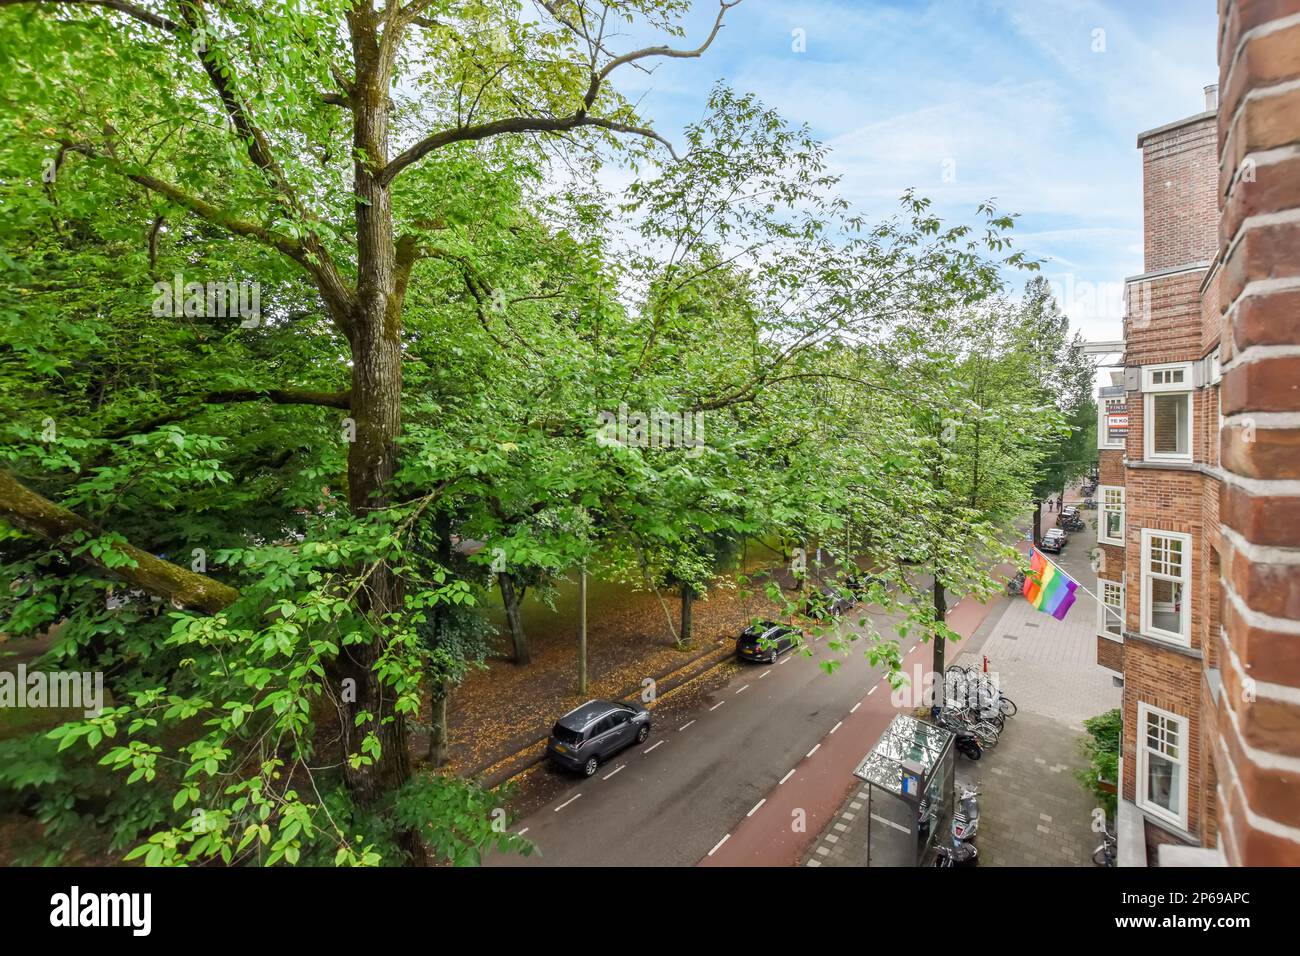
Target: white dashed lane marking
<point>786,777</point>
<point>718,845</point>
<point>756,806</point>
<point>652,747</point>
<point>716,706</point>
<point>837,726</point>
<point>685,725</point>
<point>567,802</point>
<point>615,770</point>
<point>816,748</point>
<point>743,689</point>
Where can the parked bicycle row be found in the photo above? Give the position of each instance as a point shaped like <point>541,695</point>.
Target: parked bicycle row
<point>975,710</point>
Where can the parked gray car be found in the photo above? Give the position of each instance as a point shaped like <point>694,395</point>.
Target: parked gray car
<point>588,735</point>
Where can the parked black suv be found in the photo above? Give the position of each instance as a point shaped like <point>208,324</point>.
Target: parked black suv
<point>766,641</point>
<point>594,732</point>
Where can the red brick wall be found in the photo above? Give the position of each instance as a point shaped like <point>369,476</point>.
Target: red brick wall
<point>1163,319</point>
<point>1171,681</point>
<point>1110,653</point>
<point>1259,298</point>
<point>1110,467</point>
<point>1165,500</point>
<point>1179,175</point>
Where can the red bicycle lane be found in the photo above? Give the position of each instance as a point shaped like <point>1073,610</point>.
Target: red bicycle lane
<point>781,827</point>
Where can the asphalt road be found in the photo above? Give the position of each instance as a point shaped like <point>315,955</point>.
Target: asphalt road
<point>669,801</point>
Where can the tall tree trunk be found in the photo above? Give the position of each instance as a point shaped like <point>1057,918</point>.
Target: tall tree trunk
<point>1038,522</point>
<point>688,599</point>
<point>940,617</point>
<point>438,696</point>
<point>375,332</point>
<point>514,620</point>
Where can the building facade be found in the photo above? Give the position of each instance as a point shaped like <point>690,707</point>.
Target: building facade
<point>1199,555</point>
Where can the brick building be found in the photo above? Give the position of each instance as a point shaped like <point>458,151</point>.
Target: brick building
<point>1200,557</point>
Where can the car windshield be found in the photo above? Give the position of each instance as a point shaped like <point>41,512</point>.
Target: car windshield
<point>566,736</point>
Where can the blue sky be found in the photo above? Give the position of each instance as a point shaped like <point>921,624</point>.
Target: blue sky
<point>1036,103</point>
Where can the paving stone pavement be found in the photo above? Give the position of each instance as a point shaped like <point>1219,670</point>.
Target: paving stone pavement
<point>1033,810</point>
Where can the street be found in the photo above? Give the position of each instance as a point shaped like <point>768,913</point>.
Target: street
<point>716,785</point>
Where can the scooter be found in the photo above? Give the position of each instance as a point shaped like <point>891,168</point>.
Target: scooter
<point>965,741</point>
<point>959,854</point>
<point>966,816</point>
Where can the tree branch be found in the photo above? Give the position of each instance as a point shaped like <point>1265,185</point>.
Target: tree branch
<point>547,124</point>
<point>25,509</point>
<point>274,395</point>
<point>121,6</point>
<point>336,293</point>
<point>612,65</point>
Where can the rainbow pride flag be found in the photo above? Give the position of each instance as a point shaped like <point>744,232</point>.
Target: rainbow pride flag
<point>1047,587</point>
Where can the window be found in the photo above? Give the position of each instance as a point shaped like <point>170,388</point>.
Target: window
<point>1166,580</point>
<point>1110,612</point>
<point>1169,432</point>
<point>1110,523</point>
<point>1168,411</point>
<point>1112,428</point>
<point>1162,764</point>
<point>1168,376</point>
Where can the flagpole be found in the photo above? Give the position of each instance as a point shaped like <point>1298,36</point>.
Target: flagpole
<point>1077,583</point>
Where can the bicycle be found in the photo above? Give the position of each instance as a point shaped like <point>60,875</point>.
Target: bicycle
<point>1106,854</point>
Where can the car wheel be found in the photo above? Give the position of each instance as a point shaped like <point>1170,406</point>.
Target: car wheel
<point>643,733</point>
<point>589,768</point>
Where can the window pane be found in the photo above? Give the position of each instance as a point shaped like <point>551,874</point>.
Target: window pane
<point>1163,783</point>
<point>1166,556</point>
<point>1169,431</point>
<point>1113,613</point>
<point>1114,520</point>
<point>1166,605</point>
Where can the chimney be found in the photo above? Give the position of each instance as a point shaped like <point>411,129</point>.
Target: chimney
<point>1212,97</point>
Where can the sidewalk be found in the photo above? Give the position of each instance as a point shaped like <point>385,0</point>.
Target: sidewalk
<point>1034,812</point>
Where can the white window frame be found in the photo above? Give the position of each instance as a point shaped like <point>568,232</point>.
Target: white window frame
<point>1183,761</point>
<point>1103,416</point>
<point>1183,639</point>
<point>1159,379</point>
<point>1101,514</point>
<point>1103,618</point>
<point>1166,378</point>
